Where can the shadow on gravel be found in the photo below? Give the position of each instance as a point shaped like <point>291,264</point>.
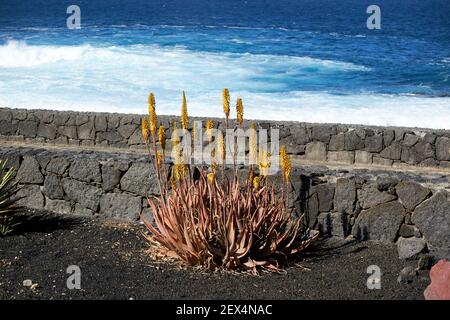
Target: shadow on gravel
<point>329,246</point>
<point>44,223</point>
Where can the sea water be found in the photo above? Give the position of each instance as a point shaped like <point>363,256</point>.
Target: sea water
<point>310,60</point>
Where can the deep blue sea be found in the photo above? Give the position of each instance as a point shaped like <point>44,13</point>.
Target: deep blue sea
<point>307,60</point>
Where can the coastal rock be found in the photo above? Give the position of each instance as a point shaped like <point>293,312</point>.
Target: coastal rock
<point>388,137</point>
<point>316,151</point>
<point>345,157</point>
<point>411,194</point>
<point>46,131</point>
<point>377,161</point>
<point>363,157</point>
<point>312,210</point>
<point>87,170</point>
<point>339,224</point>
<point>443,149</point>
<point>58,206</point>
<point>429,138</point>
<point>68,131</point>
<point>369,196</point>
<point>82,118</point>
<point>28,129</point>
<point>354,140</point>
<point>30,196</point>
<point>61,119</point>
<point>325,194</point>
<point>337,142</point>
<point>292,147</point>
<point>86,195</point>
<point>345,195</point>
<point>322,133</point>
<point>374,143</point>
<point>410,139</point>
<point>126,130</point>
<point>110,136</point>
<point>113,123</point>
<point>110,177</point>
<point>300,135</point>
<point>86,131</point>
<point>407,275</point>
<point>44,116</point>
<point>140,180</point>
<point>410,247</point>
<point>120,206</point>
<point>136,138</point>
<point>5,115</point>
<point>324,223</point>
<point>7,127</point>
<point>418,153</point>
<point>82,211</point>
<point>13,160</point>
<point>393,152</point>
<point>379,223</point>
<point>19,114</point>
<point>53,187</point>
<point>408,231</point>
<point>29,171</point>
<point>100,123</point>
<point>58,165</point>
<point>433,219</point>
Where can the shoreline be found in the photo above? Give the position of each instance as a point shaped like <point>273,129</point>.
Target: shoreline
<point>221,119</point>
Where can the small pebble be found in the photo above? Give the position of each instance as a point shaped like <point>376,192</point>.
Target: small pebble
<point>407,275</point>
<point>27,283</point>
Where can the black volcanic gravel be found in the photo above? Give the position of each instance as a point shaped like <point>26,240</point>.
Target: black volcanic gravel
<point>114,265</point>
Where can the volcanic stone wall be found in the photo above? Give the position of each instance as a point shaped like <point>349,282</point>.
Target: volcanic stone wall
<point>103,177</point>
<point>384,206</point>
<point>348,144</point>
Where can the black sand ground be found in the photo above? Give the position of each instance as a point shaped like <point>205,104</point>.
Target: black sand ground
<point>114,265</point>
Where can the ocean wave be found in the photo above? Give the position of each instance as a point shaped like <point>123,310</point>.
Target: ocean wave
<point>239,41</point>
<point>118,79</point>
<point>320,107</point>
<point>18,54</point>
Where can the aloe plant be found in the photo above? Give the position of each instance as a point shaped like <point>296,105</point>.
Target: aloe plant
<point>8,206</point>
<point>223,222</point>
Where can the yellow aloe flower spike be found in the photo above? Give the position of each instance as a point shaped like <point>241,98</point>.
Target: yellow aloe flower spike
<point>162,136</point>
<point>240,111</point>
<point>152,113</point>
<point>159,158</point>
<point>209,131</point>
<point>184,113</point>
<point>226,102</point>
<point>144,129</point>
<point>256,182</point>
<point>264,163</point>
<point>285,162</point>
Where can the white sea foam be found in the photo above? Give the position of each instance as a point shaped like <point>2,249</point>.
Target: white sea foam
<point>17,54</point>
<point>118,79</point>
